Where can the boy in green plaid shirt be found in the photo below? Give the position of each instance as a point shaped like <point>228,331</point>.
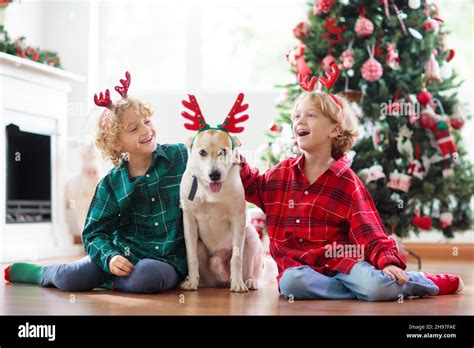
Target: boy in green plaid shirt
<point>133,232</point>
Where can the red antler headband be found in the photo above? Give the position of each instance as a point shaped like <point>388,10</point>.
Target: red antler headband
<point>198,123</point>
<point>104,98</point>
<point>125,84</point>
<point>230,122</point>
<point>326,82</point>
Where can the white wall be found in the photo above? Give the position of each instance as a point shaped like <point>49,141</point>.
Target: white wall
<point>26,19</point>
<point>71,28</point>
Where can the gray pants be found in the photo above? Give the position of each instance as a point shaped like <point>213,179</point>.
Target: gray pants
<point>364,282</point>
<point>148,276</point>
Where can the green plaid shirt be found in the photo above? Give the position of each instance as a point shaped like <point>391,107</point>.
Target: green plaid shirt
<point>140,217</point>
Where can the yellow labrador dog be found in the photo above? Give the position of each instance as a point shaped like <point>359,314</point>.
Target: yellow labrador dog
<point>221,250</point>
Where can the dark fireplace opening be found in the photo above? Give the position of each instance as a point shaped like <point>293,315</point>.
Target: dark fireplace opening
<point>28,176</point>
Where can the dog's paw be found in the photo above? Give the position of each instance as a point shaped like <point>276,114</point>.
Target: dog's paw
<point>238,287</point>
<point>189,285</point>
<point>251,284</point>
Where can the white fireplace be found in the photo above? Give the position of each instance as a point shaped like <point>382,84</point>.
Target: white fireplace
<point>33,117</point>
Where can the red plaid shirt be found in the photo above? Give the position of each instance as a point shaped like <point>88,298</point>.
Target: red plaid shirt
<point>324,225</point>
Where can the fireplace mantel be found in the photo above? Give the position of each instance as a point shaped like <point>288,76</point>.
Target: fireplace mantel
<point>34,96</point>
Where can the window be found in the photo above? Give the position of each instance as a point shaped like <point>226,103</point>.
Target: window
<point>244,42</point>
<point>148,39</point>
<point>198,45</point>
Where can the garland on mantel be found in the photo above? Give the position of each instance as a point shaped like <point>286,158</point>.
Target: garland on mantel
<point>21,49</point>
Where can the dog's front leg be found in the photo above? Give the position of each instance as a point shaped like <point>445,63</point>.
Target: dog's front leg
<point>191,236</point>
<point>238,238</point>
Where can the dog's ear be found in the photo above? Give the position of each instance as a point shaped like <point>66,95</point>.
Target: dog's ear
<point>189,142</point>
<point>236,141</point>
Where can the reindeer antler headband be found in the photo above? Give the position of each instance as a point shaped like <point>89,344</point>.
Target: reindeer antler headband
<point>326,82</point>
<point>229,125</point>
<point>104,98</point>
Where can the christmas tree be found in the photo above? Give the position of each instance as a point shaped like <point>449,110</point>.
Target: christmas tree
<point>394,67</point>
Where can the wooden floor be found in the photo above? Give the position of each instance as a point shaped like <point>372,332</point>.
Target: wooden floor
<point>19,299</point>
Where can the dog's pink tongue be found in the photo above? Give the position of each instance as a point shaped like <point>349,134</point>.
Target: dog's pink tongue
<point>215,186</point>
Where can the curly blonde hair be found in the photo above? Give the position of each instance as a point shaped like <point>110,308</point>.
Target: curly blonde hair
<point>110,124</point>
<point>343,115</point>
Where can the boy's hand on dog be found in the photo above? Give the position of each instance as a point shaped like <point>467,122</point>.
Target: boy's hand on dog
<point>238,158</point>
<point>397,273</point>
<point>120,266</point>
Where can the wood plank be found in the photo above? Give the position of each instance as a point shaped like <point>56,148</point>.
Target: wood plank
<point>19,299</point>
<point>443,251</point>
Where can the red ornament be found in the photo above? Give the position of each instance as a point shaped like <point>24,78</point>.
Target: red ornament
<point>274,128</point>
<point>457,121</point>
<point>364,27</point>
<point>451,55</point>
<point>301,30</point>
<point>322,6</point>
<point>371,70</point>
<point>424,97</point>
<point>443,137</point>
<point>423,222</point>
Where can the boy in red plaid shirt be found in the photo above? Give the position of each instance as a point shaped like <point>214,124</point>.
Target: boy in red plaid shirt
<point>326,235</point>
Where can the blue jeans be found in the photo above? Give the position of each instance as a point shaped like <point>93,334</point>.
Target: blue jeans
<point>364,282</point>
<point>148,276</point>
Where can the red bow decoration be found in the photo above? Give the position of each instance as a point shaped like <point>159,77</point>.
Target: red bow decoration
<point>334,32</point>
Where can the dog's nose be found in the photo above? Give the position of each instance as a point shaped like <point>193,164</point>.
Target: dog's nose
<point>215,175</point>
